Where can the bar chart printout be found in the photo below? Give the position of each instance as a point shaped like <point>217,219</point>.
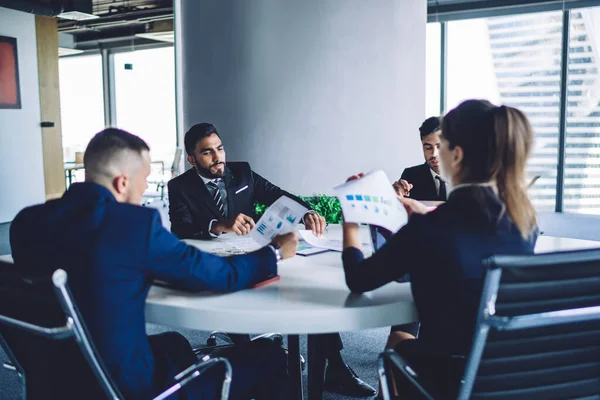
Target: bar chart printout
<point>282,217</point>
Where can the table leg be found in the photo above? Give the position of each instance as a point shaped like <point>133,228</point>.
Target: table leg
<point>294,367</point>
<point>69,177</point>
<point>316,367</point>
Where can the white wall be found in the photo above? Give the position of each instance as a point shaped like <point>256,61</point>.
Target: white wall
<point>309,92</point>
<point>21,163</point>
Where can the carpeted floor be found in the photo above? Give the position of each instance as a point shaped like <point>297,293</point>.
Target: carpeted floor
<point>360,352</point>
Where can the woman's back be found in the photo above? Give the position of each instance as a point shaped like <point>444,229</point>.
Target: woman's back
<point>446,264</point>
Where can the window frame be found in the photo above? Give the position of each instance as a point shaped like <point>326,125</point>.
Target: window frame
<point>443,15</point>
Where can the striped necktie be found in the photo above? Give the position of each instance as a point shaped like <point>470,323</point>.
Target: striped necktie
<point>217,195</point>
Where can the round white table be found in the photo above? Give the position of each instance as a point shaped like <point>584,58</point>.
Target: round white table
<point>310,298</point>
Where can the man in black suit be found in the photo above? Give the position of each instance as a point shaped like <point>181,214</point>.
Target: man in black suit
<point>423,182</point>
<point>216,197</point>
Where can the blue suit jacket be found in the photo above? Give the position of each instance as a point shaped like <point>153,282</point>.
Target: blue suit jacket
<point>443,252</point>
<point>112,252</point>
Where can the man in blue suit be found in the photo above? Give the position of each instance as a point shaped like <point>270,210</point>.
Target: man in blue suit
<point>113,249</point>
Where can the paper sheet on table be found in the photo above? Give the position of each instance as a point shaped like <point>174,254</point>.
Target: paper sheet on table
<point>325,243</point>
<point>306,249</point>
<point>282,217</point>
<point>372,200</point>
<point>243,243</point>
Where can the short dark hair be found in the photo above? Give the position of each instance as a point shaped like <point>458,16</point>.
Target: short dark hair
<point>430,125</point>
<point>106,145</point>
<point>196,133</point>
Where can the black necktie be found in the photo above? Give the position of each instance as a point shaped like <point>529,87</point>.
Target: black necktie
<point>442,191</point>
<point>217,196</point>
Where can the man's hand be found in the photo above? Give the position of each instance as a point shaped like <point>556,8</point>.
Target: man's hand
<point>413,206</point>
<point>402,188</point>
<point>241,225</point>
<point>288,244</point>
<point>315,223</point>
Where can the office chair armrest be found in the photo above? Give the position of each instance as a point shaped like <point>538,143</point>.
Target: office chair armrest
<point>194,371</point>
<point>401,365</point>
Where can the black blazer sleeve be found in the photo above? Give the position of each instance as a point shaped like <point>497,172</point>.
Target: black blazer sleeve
<point>267,193</point>
<point>182,222</point>
<point>407,175</point>
<point>389,263</point>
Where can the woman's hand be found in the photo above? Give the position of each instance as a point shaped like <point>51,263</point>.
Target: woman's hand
<point>413,206</point>
<point>355,177</point>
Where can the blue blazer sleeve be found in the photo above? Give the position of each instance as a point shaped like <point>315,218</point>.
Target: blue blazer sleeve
<point>389,263</point>
<point>174,261</point>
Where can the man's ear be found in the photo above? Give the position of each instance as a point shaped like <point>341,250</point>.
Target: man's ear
<point>120,184</point>
<point>191,160</point>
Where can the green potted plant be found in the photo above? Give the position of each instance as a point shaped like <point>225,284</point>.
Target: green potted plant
<point>327,206</point>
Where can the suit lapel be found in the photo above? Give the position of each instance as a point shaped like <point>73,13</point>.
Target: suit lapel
<point>430,185</point>
<point>230,193</point>
<point>204,194</point>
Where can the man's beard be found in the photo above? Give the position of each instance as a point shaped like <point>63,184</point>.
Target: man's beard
<point>436,168</point>
<point>206,172</point>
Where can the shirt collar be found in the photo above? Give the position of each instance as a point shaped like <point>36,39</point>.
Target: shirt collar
<point>206,180</point>
<point>434,174</point>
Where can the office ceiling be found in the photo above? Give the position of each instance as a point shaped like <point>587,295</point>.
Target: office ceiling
<point>145,21</point>
<point>122,22</point>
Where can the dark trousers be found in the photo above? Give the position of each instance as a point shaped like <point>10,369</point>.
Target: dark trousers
<point>259,369</point>
<point>332,343</point>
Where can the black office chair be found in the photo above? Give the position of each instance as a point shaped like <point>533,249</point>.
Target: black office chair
<point>537,336</point>
<point>47,342</point>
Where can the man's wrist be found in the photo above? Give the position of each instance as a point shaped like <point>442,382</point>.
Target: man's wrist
<point>304,216</point>
<point>214,228</point>
<point>277,251</point>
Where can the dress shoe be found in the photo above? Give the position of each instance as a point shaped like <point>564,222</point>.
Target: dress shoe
<point>343,380</point>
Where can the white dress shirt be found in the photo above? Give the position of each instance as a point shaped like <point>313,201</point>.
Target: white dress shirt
<point>437,183</point>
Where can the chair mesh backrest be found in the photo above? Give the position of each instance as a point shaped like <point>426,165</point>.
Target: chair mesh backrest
<point>54,369</point>
<point>558,361</point>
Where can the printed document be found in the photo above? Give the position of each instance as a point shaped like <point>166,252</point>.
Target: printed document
<point>324,243</point>
<point>282,217</point>
<point>372,200</point>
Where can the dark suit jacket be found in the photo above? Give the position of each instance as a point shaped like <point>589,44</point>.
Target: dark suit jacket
<point>112,252</point>
<point>422,181</point>
<point>191,207</point>
<point>443,252</point>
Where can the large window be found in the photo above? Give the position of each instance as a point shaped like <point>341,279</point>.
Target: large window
<point>81,102</point>
<point>514,60</point>
<point>145,98</point>
<point>582,164</point>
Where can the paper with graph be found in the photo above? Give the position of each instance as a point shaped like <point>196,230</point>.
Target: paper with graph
<point>372,200</point>
<point>282,217</point>
<point>324,242</point>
